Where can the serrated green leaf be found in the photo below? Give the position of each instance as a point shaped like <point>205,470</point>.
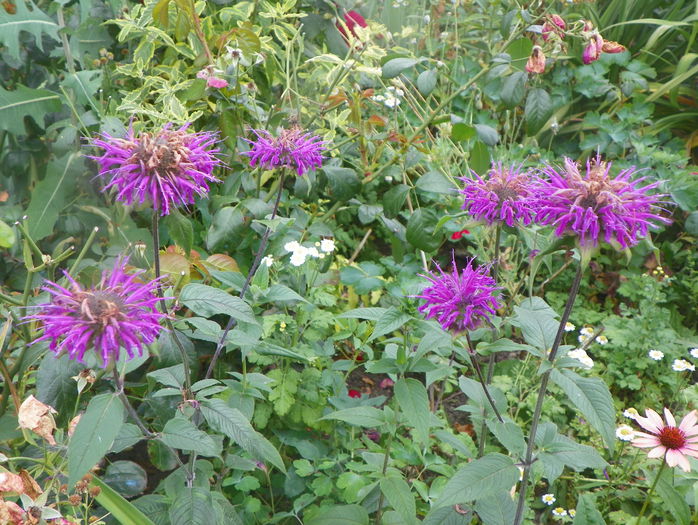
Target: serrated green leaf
<point>208,301</point>
<point>193,506</point>
<point>391,320</point>
<point>586,511</point>
<point>496,509</point>
<point>538,109</point>
<point>181,434</point>
<point>491,473</point>
<point>509,434</point>
<point>339,515</point>
<point>33,21</point>
<point>359,416</point>
<point>514,89</point>
<point>414,402</point>
<point>398,494</point>
<point>344,182</point>
<point>180,229</point>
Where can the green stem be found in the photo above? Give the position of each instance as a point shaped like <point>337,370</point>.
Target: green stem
<point>83,251</point>
<point>649,494</point>
<point>473,359</point>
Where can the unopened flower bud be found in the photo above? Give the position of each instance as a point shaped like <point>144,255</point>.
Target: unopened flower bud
<point>536,62</point>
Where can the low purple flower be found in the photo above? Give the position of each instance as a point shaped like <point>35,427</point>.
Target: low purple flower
<point>460,300</point>
<point>120,312</point>
<point>503,196</point>
<point>292,149</point>
<point>596,206</point>
<point>167,168</point>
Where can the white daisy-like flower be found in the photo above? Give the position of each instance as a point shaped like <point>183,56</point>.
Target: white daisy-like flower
<point>327,245</point>
<point>569,327</point>
<point>583,338</point>
<point>587,331</point>
<point>548,499</point>
<point>694,352</point>
<point>657,355</point>
<point>602,339</point>
<point>268,260</point>
<point>572,512</point>
<point>580,355</point>
<point>631,413</point>
<point>559,511</point>
<point>625,433</point>
<point>292,246</point>
<point>681,365</point>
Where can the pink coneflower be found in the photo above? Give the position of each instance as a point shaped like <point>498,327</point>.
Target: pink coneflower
<point>672,442</point>
<point>120,312</point>
<point>460,300</point>
<point>167,168</point>
<point>595,205</point>
<point>502,196</point>
<point>292,148</point>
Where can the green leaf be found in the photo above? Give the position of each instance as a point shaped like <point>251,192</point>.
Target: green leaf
<point>519,51</point>
<point>435,182</point>
<point>480,160</point>
<point>448,516</point>
<point>398,494</point>
<point>420,230</point>
<point>391,320</point>
<point>180,229</point>
<point>496,509</point>
<point>128,436</point>
<point>208,301</point>
<point>181,434</point>
<point>171,376</point>
<point>537,327</point>
<point>339,515</point>
<point>344,182</point>
<point>280,292</point>
<point>33,21</point>
<point>7,235</point>
<point>394,199</point>
<point>369,313</point>
<point>54,383</point>
<point>487,134</point>
<point>84,85</point>
<point>94,435</point>
<point>124,512</point>
<point>491,473</point>
<point>234,424</point>
<point>49,195</point>
<point>557,451</point>
<point>426,81</point>
<point>587,513</point>
<point>193,506</point>
<point>22,102</point>
<point>539,108</point>
<point>509,434</point>
<point>126,477</point>
<point>591,396</point>
<point>359,416</point>
<point>514,89</point>
<point>228,224</point>
<point>394,67</point>
<point>461,132</point>
<point>672,500</point>
<point>414,402</point>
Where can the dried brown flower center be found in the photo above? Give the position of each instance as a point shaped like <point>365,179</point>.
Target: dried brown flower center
<point>506,186</point>
<point>161,153</point>
<point>672,437</point>
<point>598,189</point>
<point>100,307</point>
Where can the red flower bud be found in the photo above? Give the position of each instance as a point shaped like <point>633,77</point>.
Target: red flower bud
<point>351,20</point>
<point>354,393</point>
<point>457,235</point>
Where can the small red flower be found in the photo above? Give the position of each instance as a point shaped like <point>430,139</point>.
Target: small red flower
<point>351,20</point>
<point>354,393</point>
<point>457,235</point>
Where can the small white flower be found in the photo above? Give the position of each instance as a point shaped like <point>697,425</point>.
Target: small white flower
<point>235,55</point>
<point>572,513</point>
<point>657,355</point>
<point>391,101</point>
<point>631,413</point>
<point>312,252</point>
<point>680,365</point>
<point>388,178</point>
<point>625,433</point>
<point>548,499</point>
<point>427,19</point>
<point>521,471</point>
<point>327,245</point>
<point>694,352</point>
<point>395,91</point>
<point>580,355</point>
<point>268,260</point>
<point>292,246</point>
<point>602,339</point>
<point>583,338</point>
<point>559,511</point>
<point>569,327</point>
<point>587,331</point>
<point>378,98</point>
<point>298,258</point>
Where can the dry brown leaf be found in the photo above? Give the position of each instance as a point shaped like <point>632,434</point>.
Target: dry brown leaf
<point>37,417</point>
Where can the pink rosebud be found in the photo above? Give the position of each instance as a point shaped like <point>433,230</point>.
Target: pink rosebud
<point>536,62</point>
<point>351,20</point>
<point>387,383</point>
<point>592,51</point>
<point>609,46</point>
<point>554,26</point>
<point>588,26</point>
<point>216,82</point>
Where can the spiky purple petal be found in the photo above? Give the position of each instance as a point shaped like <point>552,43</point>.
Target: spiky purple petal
<point>292,149</point>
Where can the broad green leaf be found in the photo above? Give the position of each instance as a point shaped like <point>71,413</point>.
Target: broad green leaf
<point>172,376</point>
<point>181,434</point>
<point>7,235</point>
<point>538,109</point>
<point>84,85</point>
<point>514,89</point>
<point>487,134</point>
<point>394,199</point>
<point>193,506</point>
<point>180,229</point>
<point>49,195</point>
<point>414,402</point>
<point>398,494</point>
<point>496,509</point>
<point>233,423</point>
<point>394,67</point>
<point>228,225</point>
<point>480,159</point>
<point>359,416</point>
<point>23,101</point>
<point>370,313</point>
<point>208,301</point>
<point>587,513</point>
<point>156,507</point>
<point>33,21</point>
<point>537,327</point>
<point>128,436</point>
<point>555,452</point>
<point>126,477</point>
<point>94,435</point>
<point>491,473</point>
<point>448,516</point>
<point>54,383</point>
<point>391,320</point>
<point>344,182</point>
<point>461,132</point>
<point>421,230</point>
<point>339,515</point>
<point>519,51</point>
<point>444,436</point>
<point>509,434</point>
<point>672,500</point>
<point>591,396</point>
<point>426,81</point>
<point>123,511</point>
<point>280,292</point>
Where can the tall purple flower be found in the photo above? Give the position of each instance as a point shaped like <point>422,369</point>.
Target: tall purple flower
<point>167,168</point>
<point>503,196</point>
<point>120,312</point>
<point>596,206</point>
<point>460,300</point>
<point>292,149</point>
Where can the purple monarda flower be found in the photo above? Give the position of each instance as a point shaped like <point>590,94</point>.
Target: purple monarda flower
<point>503,196</point>
<point>120,312</point>
<point>166,168</point>
<point>460,300</point>
<point>597,206</point>
<point>292,149</point>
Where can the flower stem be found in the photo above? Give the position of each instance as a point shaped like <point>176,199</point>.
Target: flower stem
<point>649,494</point>
<point>119,386</point>
<point>168,320</point>
<point>473,359</point>
<point>541,394</point>
<point>248,280</point>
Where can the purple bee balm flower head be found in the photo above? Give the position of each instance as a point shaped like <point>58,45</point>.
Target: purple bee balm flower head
<point>596,206</point>
<point>292,149</point>
<point>120,312</point>
<point>460,301</point>
<point>167,168</point>
<point>503,196</point>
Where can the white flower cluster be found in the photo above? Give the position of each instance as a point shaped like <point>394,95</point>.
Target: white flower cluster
<point>681,365</point>
<point>580,355</point>
<point>300,253</point>
<point>586,333</point>
<point>391,98</point>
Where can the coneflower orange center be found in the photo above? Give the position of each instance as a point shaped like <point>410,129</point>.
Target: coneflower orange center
<point>672,437</point>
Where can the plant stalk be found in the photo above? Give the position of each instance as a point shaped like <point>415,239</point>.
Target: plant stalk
<point>649,494</point>
<point>473,359</point>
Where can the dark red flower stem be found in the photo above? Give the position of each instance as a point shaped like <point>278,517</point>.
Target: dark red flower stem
<point>527,463</point>
<point>473,359</point>
<point>250,274</point>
